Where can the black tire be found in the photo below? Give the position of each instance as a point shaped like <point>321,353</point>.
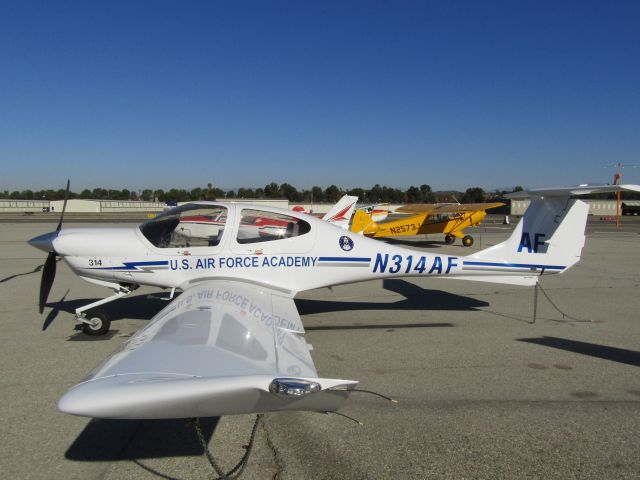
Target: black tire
<point>100,323</point>
<point>449,239</point>
<point>467,240</point>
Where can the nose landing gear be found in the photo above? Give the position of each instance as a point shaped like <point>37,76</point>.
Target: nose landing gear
<point>94,321</point>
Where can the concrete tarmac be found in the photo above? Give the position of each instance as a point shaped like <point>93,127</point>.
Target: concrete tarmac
<point>484,393</point>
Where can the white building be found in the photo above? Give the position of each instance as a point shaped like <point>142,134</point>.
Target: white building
<point>603,208</point>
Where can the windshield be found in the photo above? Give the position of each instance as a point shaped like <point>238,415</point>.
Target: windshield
<point>189,225</point>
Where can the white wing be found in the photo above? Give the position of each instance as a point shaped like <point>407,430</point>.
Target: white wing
<point>576,190</point>
<point>220,348</point>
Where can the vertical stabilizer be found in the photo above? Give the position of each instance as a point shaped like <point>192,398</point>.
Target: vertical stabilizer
<point>548,239</point>
<point>363,223</point>
<point>340,214</point>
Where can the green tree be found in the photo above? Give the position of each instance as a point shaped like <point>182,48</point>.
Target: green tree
<point>427,194</point>
<point>317,194</point>
<point>473,195</point>
<point>375,194</point>
<point>414,195</point>
<point>289,192</point>
<point>197,194</point>
<point>246,193</point>
<point>159,195</point>
<point>358,192</point>
<point>332,194</point>
<point>272,190</point>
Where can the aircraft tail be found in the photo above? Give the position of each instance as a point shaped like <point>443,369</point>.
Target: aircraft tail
<point>363,223</point>
<point>340,214</point>
<point>548,239</point>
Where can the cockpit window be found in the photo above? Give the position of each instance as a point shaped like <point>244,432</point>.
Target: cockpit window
<point>260,226</point>
<point>187,226</point>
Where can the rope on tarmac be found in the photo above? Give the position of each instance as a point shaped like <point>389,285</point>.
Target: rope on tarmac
<point>564,315</point>
<point>236,471</point>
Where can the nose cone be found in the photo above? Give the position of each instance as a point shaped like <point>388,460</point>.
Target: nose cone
<point>44,242</point>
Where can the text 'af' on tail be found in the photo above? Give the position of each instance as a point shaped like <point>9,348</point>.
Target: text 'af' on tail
<point>548,239</point>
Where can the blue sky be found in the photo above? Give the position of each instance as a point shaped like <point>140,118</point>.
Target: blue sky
<point>132,94</point>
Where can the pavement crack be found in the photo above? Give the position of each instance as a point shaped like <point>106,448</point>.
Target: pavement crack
<point>277,460</point>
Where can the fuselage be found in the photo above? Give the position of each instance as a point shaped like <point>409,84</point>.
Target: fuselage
<point>313,254</point>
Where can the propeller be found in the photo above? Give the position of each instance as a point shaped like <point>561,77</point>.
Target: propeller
<point>49,270</point>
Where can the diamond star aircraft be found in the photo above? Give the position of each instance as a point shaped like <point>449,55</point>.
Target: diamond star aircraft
<point>233,341</point>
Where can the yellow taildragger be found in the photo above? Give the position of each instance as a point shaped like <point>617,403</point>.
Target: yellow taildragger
<point>450,219</point>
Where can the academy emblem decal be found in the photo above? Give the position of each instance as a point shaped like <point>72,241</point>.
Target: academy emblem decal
<point>346,243</point>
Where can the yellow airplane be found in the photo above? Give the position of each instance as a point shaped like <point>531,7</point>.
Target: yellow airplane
<point>450,219</point>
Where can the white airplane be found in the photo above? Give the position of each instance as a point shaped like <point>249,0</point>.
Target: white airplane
<point>377,211</point>
<point>340,214</point>
<point>233,342</point>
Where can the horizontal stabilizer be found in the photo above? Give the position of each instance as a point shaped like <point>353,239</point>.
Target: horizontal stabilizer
<point>576,190</point>
<point>524,281</point>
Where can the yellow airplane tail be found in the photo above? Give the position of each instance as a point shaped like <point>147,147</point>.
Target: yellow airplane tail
<point>362,223</point>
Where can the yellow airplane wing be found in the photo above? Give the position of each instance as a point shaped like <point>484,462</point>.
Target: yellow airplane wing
<point>417,208</point>
<point>465,207</point>
<point>436,209</point>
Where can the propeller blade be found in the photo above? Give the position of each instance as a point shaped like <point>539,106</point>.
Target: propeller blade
<point>48,274</point>
<point>64,206</point>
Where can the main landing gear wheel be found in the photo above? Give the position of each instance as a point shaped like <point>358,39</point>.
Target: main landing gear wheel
<point>467,240</point>
<point>99,323</point>
<point>449,239</point>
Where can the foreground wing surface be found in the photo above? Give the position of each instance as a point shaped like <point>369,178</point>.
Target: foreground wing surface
<point>220,348</point>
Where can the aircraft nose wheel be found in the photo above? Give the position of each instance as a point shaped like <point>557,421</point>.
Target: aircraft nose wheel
<point>449,239</point>
<point>467,240</point>
<point>98,323</point>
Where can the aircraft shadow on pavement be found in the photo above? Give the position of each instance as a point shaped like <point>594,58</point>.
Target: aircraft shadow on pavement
<point>416,298</point>
<point>620,355</point>
<point>115,440</point>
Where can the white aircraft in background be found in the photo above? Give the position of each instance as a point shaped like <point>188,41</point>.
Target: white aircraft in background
<point>208,226</point>
<point>377,211</point>
<point>233,342</point>
<point>340,214</point>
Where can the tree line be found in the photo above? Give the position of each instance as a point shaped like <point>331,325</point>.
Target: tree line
<point>273,190</point>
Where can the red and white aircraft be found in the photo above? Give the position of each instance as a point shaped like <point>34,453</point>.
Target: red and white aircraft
<point>207,226</point>
<point>340,214</point>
